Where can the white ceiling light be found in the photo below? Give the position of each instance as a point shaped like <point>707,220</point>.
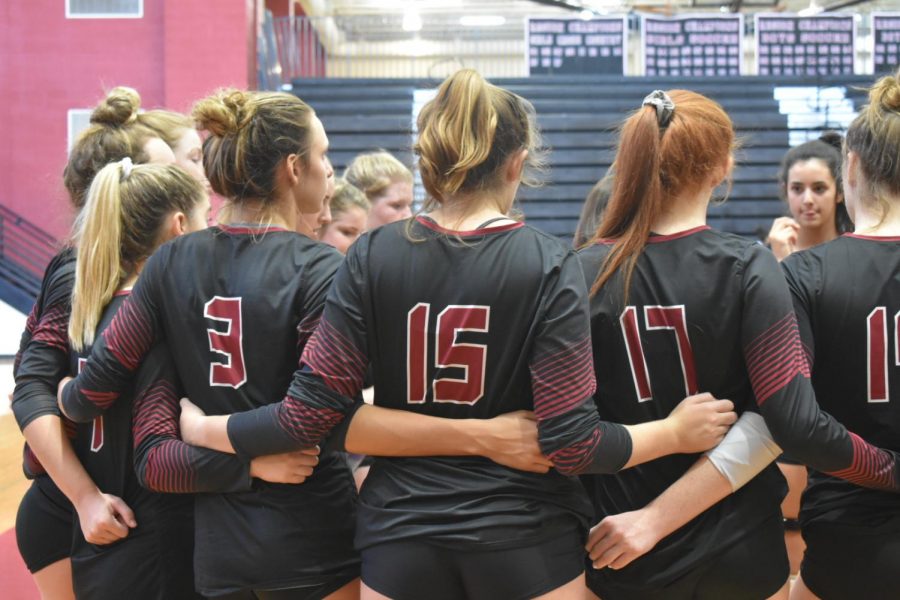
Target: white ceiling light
<point>412,21</point>
<point>586,15</point>
<point>482,21</point>
<point>813,9</point>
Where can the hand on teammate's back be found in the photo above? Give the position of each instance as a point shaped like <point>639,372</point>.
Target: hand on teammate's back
<point>290,467</point>
<point>700,422</point>
<point>104,518</point>
<point>619,539</point>
<point>512,441</point>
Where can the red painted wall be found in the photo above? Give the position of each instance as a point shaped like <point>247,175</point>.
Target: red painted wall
<point>178,51</point>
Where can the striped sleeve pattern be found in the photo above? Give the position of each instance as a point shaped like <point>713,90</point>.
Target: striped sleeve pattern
<point>167,467</point>
<point>775,357</point>
<point>871,467</point>
<point>129,335</point>
<point>53,328</point>
<point>576,458</point>
<point>333,357</point>
<point>563,380</point>
<point>164,463</point>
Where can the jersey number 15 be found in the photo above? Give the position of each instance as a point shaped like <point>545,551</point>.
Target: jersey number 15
<point>447,353</point>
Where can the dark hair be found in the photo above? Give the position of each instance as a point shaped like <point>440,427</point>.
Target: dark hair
<point>654,164</point>
<point>593,209</point>
<point>874,136</point>
<point>828,150</point>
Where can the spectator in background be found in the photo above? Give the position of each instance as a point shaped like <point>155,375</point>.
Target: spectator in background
<point>592,211</point>
<point>386,182</point>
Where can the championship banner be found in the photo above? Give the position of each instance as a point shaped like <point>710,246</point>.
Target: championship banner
<point>576,46</point>
<point>695,45</point>
<point>886,41</point>
<point>815,45</point>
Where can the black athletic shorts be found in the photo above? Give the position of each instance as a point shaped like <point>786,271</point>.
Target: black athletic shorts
<point>44,525</point>
<point>852,561</point>
<point>416,569</point>
<point>154,562</point>
<point>310,592</point>
<point>752,568</point>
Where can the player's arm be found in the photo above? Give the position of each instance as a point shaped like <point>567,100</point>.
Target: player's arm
<point>324,391</point>
<point>44,361</point>
<point>780,377</point>
<point>746,450</point>
<point>119,350</point>
<point>563,383</point>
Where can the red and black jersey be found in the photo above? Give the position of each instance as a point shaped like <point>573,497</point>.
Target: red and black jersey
<point>847,299</point>
<point>162,543</point>
<point>235,306</point>
<point>42,359</point>
<point>457,325</point>
<point>709,312</point>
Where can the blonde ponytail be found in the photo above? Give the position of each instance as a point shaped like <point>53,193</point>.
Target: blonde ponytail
<point>98,231</point>
<point>468,131</point>
<point>120,226</point>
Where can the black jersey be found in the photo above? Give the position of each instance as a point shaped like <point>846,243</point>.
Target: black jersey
<point>458,325</point>
<point>235,306</point>
<point>847,299</point>
<point>161,546</point>
<point>709,312</point>
<point>42,359</point>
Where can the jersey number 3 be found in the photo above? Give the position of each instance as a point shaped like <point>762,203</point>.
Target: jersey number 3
<point>229,343</point>
<point>447,353</point>
<point>657,317</point>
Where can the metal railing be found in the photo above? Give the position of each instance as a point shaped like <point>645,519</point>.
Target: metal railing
<point>374,46</point>
<point>25,250</point>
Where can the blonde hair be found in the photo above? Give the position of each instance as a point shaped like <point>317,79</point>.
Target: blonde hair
<point>468,131</point>
<point>168,124</point>
<point>113,134</point>
<point>874,136</point>
<point>250,134</point>
<point>347,196</point>
<point>117,229</point>
<point>374,172</point>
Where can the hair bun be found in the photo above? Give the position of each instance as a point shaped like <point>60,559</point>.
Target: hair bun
<point>223,113</point>
<point>118,108</point>
<point>833,139</point>
<point>886,93</point>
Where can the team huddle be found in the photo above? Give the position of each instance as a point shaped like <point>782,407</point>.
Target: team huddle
<point>547,422</point>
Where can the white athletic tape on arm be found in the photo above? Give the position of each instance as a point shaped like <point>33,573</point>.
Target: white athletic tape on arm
<point>747,449</point>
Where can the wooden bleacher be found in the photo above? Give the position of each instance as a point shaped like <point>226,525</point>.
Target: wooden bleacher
<point>578,118</point>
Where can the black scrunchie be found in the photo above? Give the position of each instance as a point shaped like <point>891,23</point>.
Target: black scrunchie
<point>665,108</point>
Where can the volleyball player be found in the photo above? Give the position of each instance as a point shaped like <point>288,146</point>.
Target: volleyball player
<point>236,305</point>
<point>846,297</point>
<point>386,182</point>
<point>465,314</point>
<point>810,182</point>
<point>130,210</point>
<point>44,519</point>
<point>679,307</point>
